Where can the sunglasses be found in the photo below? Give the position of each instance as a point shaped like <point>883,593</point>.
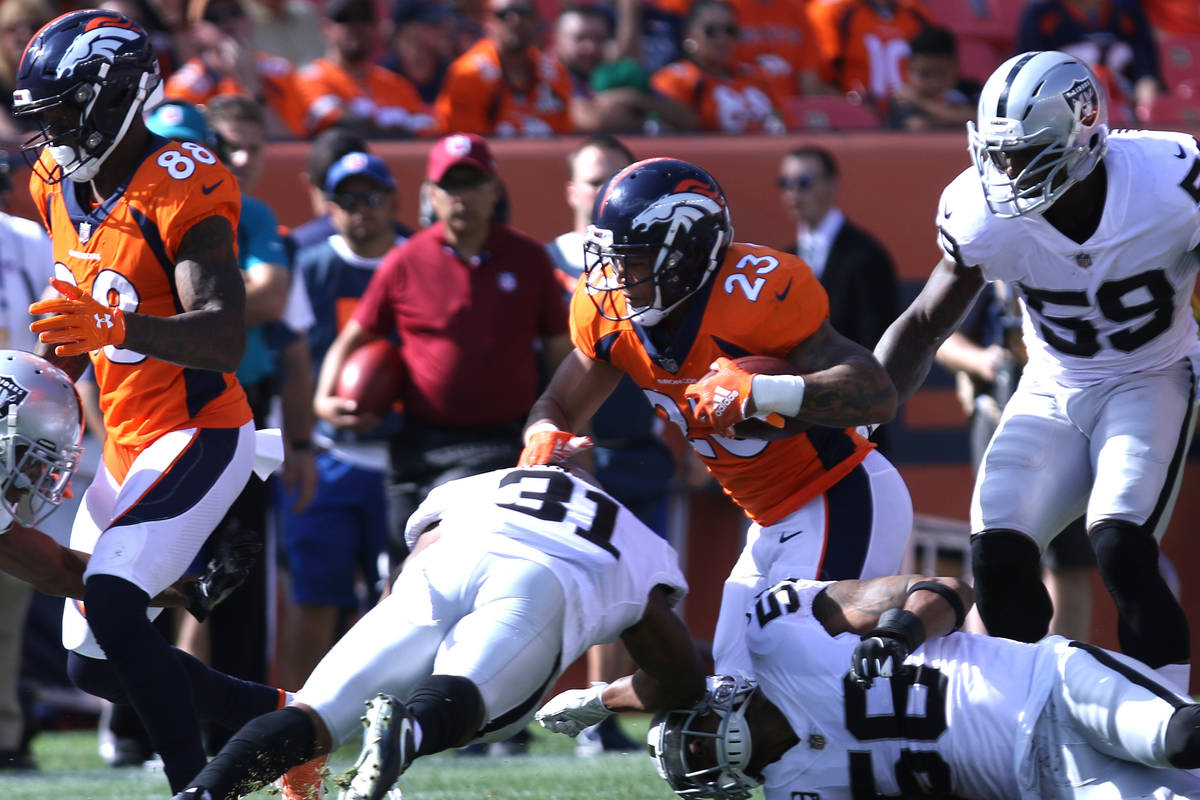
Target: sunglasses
<point>348,201</point>
<point>799,183</point>
<point>513,12</point>
<point>221,14</point>
<point>711,31</point>
<point>470,180</point>
<point>361,14</point>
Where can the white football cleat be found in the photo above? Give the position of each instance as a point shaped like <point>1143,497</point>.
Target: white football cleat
<point>389,746</point>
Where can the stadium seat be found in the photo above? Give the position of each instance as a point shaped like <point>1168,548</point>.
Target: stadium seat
<point>826,113</point>
<point>978,57</point>
<point>1180,58</point>
<point>1182,104</point>
<point>992,20</point>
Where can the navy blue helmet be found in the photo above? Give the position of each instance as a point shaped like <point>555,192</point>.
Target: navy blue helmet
<point>84,77</point>
<point>662,221</point>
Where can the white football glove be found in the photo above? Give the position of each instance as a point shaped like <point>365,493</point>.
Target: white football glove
<point>573,710</point>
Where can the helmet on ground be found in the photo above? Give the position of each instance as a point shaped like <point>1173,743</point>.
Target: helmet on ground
<point>664,221</point>
<point>1045,114</point>
<point>704,751</point>
<point>84,76</point>
<point>41,426</point>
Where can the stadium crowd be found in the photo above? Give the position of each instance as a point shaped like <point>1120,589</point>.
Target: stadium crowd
<point>239,75</point>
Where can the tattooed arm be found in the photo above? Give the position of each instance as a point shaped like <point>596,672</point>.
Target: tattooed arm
<point>855,606</point>
<point>843,383</point>
<point>211,331</point>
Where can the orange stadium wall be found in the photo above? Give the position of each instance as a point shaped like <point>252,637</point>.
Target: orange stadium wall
<point>890,184</point>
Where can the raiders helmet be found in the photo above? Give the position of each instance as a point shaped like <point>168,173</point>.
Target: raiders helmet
<point>669,215</point>
<point>84,77</point>
<point>716,767</point>
<point>1049,105</point>
<point>41,426</point>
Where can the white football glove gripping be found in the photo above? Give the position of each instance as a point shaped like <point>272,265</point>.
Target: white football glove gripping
<point>573,710</point>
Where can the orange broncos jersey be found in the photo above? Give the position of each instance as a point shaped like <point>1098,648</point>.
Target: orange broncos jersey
<point>389,101</point>
<point>475,99</point>
<point>760,302</point>
<point>124,252</point>
<point>775,36</point>
<point>863,50</point>
<point>197,83</point>
<point>735,104</point>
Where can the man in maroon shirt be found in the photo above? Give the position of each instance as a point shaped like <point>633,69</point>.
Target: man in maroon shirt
<point>469,298</point>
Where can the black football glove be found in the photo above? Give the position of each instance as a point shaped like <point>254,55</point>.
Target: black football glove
<point>876,657</point>
<point>883,650</point>
<point>232,559</point>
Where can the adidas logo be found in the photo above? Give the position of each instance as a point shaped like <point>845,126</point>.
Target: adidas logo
<point>724,398</point>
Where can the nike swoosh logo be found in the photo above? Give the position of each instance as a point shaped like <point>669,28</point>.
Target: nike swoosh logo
<point>946,212</point>
<point>780,296</point>
<point>783,537</point>
<point>213,188</point>
<point>1181,153</point>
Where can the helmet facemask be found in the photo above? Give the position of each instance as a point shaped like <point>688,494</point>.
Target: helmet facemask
<point>35,474</point>
<point>85,123</point>
<point>705,751</point>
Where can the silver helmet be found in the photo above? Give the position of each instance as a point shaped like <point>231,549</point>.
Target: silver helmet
<point>704,751</point>
<point>41,425</point>
<point>1049,106</point>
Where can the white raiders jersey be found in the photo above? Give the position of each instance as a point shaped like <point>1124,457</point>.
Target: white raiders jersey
<point>939,727</point>
<point>1119,302</point>
<point>605,558</point>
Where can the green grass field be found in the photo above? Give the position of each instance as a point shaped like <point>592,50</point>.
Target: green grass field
<point>70,769</point>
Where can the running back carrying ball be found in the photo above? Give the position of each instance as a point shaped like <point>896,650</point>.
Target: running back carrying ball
<point>761,429</point>
<point>373,376</point>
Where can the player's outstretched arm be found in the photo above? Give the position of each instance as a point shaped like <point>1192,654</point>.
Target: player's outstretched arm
<point>844,385</point>
<point>854,606</point>
<point>211,331</point>
<point>579,386</point>
<point>908,346</point>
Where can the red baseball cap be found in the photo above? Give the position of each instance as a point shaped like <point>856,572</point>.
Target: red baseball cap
<point>460,148</point>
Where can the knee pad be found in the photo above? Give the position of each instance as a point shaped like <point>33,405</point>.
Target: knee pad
<point>1152,627</point>
<point>95,676</point>
<point>1182,744</point>
<point>1012,600</point>
<point>449,709</point>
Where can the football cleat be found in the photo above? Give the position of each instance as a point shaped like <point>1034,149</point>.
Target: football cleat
<point>193,793</point>
<point>389,746</point>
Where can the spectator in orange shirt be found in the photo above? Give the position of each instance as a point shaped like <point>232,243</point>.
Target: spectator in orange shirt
<point>1174,16</point>
<point>347,88</point>
<point>504,86</point>
<point>864,43</point>
<point>422,45</point>
<point>226,63</point>
<point>729,96</point>
<point>776,37</point>
<point>608,95</point>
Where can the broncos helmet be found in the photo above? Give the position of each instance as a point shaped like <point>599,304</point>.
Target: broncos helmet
<point>84,76</point>
<point>679,743</point>
<point>1051,106</point>
<point>41,425</point>
<point>667,216</point>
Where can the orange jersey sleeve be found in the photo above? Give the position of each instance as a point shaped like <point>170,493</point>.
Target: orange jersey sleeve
<point>388,101</point>
<point>760,302</point>
<point>474,98</point>
<point>123,253</point>
<point>734,104</point>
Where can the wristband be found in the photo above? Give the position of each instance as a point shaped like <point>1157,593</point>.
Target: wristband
<point>300,445</point>
<point>950,596</point>
<point>536,428</point>
<point>900,624</point>
<point>781,394</point>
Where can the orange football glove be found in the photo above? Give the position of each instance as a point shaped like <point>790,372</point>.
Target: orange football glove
<point>80,323</point>
<point>552,447</point>
<point>721,397</point>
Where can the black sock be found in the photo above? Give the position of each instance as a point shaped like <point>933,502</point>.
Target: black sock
<point>153,679</point>
<point>265,748</point>
<point>224,699</point>
<point>449,709</point>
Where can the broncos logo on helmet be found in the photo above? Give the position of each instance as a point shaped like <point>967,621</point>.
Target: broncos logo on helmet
<point>84,78</point>
<point>664,217</point>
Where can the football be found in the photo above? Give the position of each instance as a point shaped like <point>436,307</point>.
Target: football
<point>373,376</point>
<point>757,428</point>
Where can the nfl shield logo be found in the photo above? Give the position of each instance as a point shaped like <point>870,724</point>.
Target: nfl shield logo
<point>10,393</point>
<point>1083,259</point>
<point>507,282</point>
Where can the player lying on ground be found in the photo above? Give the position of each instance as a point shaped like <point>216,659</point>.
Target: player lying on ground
<point>922,711</point>
<point>41,427</point>
<point>514,574</point>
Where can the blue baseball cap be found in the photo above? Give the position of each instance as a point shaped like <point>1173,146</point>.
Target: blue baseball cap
<point>181,121</point>
<point>364,164</point>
